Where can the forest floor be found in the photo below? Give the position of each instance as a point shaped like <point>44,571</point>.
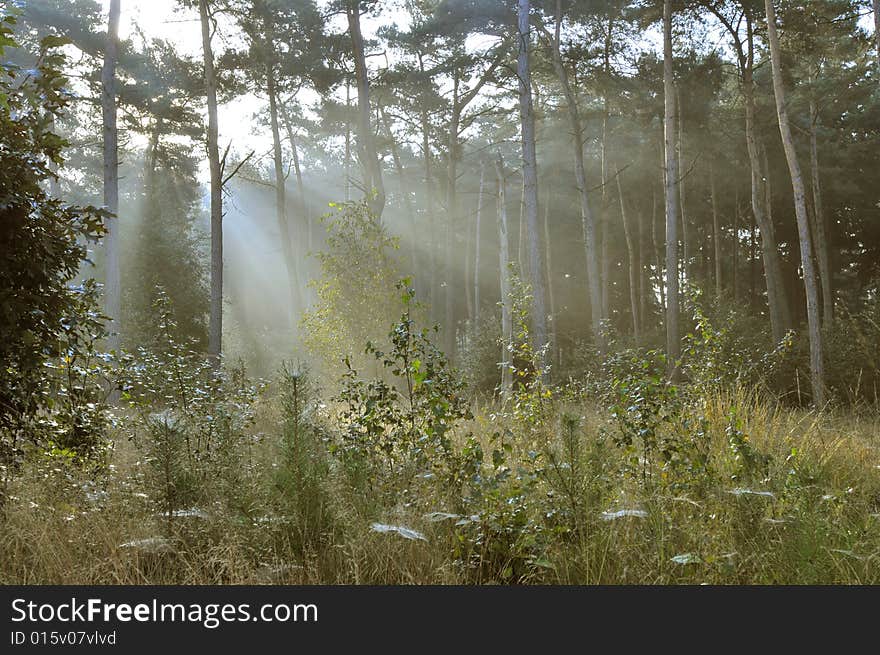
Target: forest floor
<point>735,491</point>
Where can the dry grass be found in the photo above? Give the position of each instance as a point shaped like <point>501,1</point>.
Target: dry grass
<point>822,524</point>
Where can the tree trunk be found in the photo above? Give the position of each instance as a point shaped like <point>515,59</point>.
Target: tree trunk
<point>433,294</point>
<point>548,257</point>
<point>588,221</point>
<point>685,242</point>
<point>303,203</point>
<point>530,184</point>
<point>468,290</point>
<point>477,248</point>
<point>817,373</point>
<point>451,215</point>
<point>347,140</point>
<point>673,344</point>
<point>605,229</point>
<point>716,233</point>
<point>752,262</point>
<point>281,196</point>
<point>658,252</point>
<point>877,29</point>
<point>404,192</point>
<point>643,271</point>
<point>113,287</point>
<point>504,265</point>
<point>633,270</point>
<point>777,300</point>
<point>735,253</point>
<point>366,142</point>
<point>521,228</point>
<point>819,224</point>
<point>215,328</point>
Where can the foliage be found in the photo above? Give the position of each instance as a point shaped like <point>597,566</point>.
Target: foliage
<point>716,358</point>
<point>193,419</point>
<point>299,478</point>
<point>49,325</point>
<point>356,288</point>
<point>528,366</point>
<point>402,427</point>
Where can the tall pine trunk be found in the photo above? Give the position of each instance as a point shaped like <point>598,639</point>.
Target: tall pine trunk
<point>113,288</point>
<point>588,221</point>
<point>347,140</point>
<point>281,196</point>
<point>820,233</point>
<point>404,192</point>
<point>777,299</point>
<point>303,203</point>
<point>633,264</point>
<point>548,258</point>
<point>366,142</point>
<point>817,372</point>
<point>215,326</point>
<point>685,241</point>
<point>658,252</point>
<point>716,233</point>
<point>504,266</point>
<point>451,218</point>
<point>877,30</point>
<point>477,234</point>
<point>673,343</point>
<point>530,183</point>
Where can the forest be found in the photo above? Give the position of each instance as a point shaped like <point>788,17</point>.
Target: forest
<point>440,292</point>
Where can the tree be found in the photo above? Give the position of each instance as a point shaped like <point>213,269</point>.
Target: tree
<point>817,374</point>
<point>461,98</point>
<point>113,285</point>
<point>530,179</point>
<point>673,344</point>
<point>366,140</point>
<point>43,242</point>
<point>215,325</point>
<point>504,268</point>
<point>780,315</point>
<point>588,221</point>
<point>877,29</point>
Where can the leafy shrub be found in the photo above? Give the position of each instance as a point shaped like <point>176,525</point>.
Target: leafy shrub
<point>479,356</point>
<point>738,353</point>
<point>355,293</point>
<point>195,419</point>
<point>397,428</point>
<point>44,320</point>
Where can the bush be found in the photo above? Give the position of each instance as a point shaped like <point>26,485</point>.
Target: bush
<point>194,418</point>
<point>48,398</point>
<point>356,290</point>
<point>394,430</point>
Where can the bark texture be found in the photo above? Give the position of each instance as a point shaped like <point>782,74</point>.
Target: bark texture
<point>113,286</point>
<point>817,373</point>
<point>215,326</point>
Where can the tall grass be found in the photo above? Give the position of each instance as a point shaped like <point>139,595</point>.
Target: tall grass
<point>788,496</point>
